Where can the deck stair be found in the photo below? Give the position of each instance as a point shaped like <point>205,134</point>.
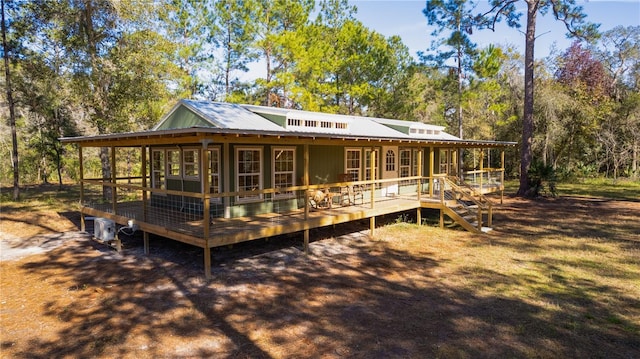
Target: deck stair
<point>467,207</point>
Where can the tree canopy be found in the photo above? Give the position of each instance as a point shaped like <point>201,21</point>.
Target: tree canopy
<point>94,67</point>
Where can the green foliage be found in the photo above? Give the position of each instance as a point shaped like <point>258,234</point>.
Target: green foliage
<point>90,67</point>
<point>542,180</point>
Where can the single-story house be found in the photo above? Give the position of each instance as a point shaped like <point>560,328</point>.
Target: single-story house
<point>213,174</point>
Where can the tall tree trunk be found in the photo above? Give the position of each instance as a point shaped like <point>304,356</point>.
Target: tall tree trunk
<point>12,113</point>
<point>526,151</point>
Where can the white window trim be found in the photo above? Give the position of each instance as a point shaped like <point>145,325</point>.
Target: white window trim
<point>197,163</point>
<point>350,170</point>
<point>367,154</point>
<point>163,171</point>
<point>390,160</point>
<point>274,150</point>
<point>256,198</point>
<point>403,166</point>
<point>166,163</point>
<point>214,149</point>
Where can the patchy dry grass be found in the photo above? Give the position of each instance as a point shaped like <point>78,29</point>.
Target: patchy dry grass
<point>556,278</point>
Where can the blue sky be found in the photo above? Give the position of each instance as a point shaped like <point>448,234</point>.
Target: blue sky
<point>405,18</point>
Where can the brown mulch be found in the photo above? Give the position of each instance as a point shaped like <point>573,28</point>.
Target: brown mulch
<point>352,297</point>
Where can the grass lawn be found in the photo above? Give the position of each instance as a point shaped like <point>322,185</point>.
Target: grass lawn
<point>557,278</point>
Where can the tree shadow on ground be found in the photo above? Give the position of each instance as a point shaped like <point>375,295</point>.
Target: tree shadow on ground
<point>350,297</point>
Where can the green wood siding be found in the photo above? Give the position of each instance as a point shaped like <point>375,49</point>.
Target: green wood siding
<point>325,163</point>
<point>182,117</point>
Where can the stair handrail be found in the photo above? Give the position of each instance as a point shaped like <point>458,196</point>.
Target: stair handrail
<point>482,198</point>
<point>450,180</point>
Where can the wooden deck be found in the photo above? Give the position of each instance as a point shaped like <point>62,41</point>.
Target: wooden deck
<point>189,228</point>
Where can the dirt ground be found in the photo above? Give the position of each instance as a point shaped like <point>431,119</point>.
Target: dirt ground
<point>66,296</point>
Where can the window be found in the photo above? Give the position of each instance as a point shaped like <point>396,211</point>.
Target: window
<point>294,122</point>
<point>284,169</point>
<point>249,172</point>
<point>214,172</point>
<point>191,163</point>
<point>405,163</point>
<point>414,163</point>
<point>157,169</point>
<point>352,163</point>
<point>367,165</point>
<point>445,161</point>
<point>390,161</point>
<point>173,163</point>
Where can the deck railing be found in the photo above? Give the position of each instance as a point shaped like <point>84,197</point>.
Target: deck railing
<point>186,212</point>
<point>493,177</point>
<point>196,214</point>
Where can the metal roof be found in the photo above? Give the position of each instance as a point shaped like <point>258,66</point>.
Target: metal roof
<point>250,120</point>
<point>223,115</point>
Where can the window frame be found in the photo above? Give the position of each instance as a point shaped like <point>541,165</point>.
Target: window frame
<point>162,172</point>
<point>258,197</point>
<point>169,164</point>
<point>390,160</point>
<point>212,188</point>
<point>407,166</point>
<point>274,173</point>
<point>367,165</point>
<point>195,163</point>
<point>357,171</point>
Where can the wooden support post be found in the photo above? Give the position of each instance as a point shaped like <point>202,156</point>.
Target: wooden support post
<point>206,203</point>
<point>481,169</point>
<point>442,204</point>
<point>207,262</point>
<point>145,197</point>
<point>456,164</point>
<point>114,189</point>
<point>372,227</point>
<point>83,226</point>
<point>305,180</point>
<point>145,240</point>
<point>372,157</point>
<point>502,176</point>
<point>226,180</point>
<point>431,159</point>
<point>419,216</point>
<point>419,160</point>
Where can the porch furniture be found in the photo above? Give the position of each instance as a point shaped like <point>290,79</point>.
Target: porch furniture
<point>320,199</point>
<point>349,193</point>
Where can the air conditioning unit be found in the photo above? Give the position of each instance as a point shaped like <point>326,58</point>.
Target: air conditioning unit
<point>104,229</point>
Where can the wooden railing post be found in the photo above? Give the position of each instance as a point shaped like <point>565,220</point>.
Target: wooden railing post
<point>305,179</point>
<point>83,226</point>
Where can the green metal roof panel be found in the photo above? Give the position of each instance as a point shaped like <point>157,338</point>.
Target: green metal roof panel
<point>182,117</point>
<point>214,115</point>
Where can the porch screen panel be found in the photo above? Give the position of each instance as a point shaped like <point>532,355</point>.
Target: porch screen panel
<point>213,156</point>
<point>353,163</point>
<point>284,170</point>
<point>249,173</point>
<point>157,169</point>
